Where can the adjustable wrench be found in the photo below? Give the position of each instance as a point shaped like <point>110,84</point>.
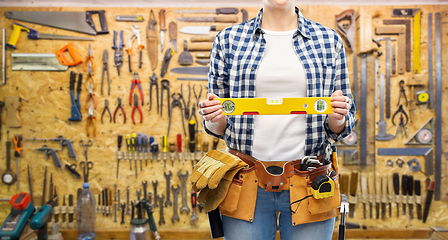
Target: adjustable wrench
<point>183,178</point>
<point>161,219</point>
<point>128,209</point>
<point>175,216</point>
<point>154,185</point>
<point>168,179</point>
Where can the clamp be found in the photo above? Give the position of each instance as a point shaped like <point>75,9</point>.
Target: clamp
<point>402,92</point>
<point>106,107</point>
<point>135,35</point>
<point>119,106</point>
<point>176,103</point>
<point>118,57</point>
<point>91,97</point>
<point>139,109</point>
<point>153,82</point>
<point>136,82</point>
<point>91,120</point>
<point>165,86</point>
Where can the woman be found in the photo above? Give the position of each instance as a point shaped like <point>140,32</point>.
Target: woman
<point>278,54</point>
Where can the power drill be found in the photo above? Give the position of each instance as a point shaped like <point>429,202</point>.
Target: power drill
<point>39,221</point>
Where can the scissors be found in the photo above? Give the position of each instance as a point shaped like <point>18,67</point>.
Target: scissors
<point>86,165</point>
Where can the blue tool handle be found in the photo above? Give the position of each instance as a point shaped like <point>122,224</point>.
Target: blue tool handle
<point>151,140</point>
<point>121,40</point>
<point>115,36</point>
<point>139,137</point>
<point>145,142</point>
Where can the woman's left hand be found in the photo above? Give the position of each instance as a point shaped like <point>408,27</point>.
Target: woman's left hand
<point>341,105</point>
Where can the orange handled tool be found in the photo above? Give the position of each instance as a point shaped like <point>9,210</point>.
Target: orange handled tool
<point>71,50</point>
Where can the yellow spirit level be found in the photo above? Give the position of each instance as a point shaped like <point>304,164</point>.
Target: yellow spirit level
<point>276,106</point>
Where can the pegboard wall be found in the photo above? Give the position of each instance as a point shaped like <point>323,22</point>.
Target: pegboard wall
<point>45,109</point>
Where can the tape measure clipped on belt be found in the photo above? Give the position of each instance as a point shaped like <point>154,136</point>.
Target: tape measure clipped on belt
<point>322,187</point>
<point>276,106</point>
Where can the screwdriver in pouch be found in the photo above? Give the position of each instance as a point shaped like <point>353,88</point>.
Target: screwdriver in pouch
<point>17,144</point>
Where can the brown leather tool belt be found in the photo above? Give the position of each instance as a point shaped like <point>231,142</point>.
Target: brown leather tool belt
<point>275,174</point>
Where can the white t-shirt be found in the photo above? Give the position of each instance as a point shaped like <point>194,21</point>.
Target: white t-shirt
<point>280,74</point>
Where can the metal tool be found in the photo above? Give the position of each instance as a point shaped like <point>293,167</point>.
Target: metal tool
<point>86,165</point>
<point>364,193</point>
<point>216,11</point>
<point>105,69</point>
<point>390,191</point>
<point>72,169</point>
<point>388,40</point>
<point>36,62</point>
<point>173,35</point>
<point>162,29</point>
<point>134,150</point>
<point>185,57</point>
<point>118,55</point>
<point>54,154</point>
<point>3,56</point>
<point>175,191</point>
<point>76,104</point>
<point>17,146</point>
<point>176,97</point>
<point>106,108</point>
<point>191,70</point>
<point>129,18</point>
<point>8,176</point>
<point>384,196</point>
<point>123,206</point>
<point>140,148</point>
<point>186,104</point>
<point>404,191</point>
<point>161,217</point>
<point>44,187</point>
<point>128,206</point>
<point>139,109</point>
<point>382,125</point>
<point>201,30</point>
<point>165,86</point>
<point>166,61</point>
<point>430,63</point>
<point>194,217</point>
<point>428,199</point>
<point>363,159</point>
<point>414,165</point>
<point>73,21</point>
<point>120,106</point>
<point>30,184</point>
<point>416,49</point>
<point>153,82</point>
<point>118,199</point>
<point>154,185</point>
<point>136,82</point>
<point>438,147</point>
<point>168,179</point>
<point>371,189</point>
<point>424,135</point>
<point>183,178</point>
<point>135,35</point>
<point>378,185</point>
<point>221,19</point>
<point>404,35</point>
<point>91,120</point>
<point>151,41</point>
<point>402,93</point>
<point>146,148</point>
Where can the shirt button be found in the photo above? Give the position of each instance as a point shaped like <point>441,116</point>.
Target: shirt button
<point>248,130</point>
<point>252,69</point>
<point>262,44</point>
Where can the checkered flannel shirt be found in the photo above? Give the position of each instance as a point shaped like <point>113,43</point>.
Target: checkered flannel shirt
<point>235,58</point>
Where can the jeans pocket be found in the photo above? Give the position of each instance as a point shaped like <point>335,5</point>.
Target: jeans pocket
<point>230,203</point>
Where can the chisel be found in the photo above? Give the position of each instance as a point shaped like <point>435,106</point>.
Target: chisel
<point>410,196</point>
<point>353,188</point>
<point>378,194</point>
<point>418,198</point>
<point>390,189</point>
<point>216,11</point>
<point>364,192</point>
<point>404,191</point>
<point>396,180</point>
<point>343,182</point>
<point>371,189</point>
<point>384,195</point>
<point>428,201</point>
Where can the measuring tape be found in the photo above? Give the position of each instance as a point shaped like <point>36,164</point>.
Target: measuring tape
<point>276,106</point>
<point>422,97</point>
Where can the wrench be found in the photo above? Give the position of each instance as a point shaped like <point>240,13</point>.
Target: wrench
<point>128,209</point>
<point>175,216</point>
<point>162,219</point>
<point>168,179</point>
<point>149,198</point>
<point>123,206</point>
<point>145,184</point>
<point>115,211</point>
<point>194,217</point>
<point>154,185</point>
<point>183,179</point>
<point>139,194</point>
<point>115,192</point>
<point>119,205</point>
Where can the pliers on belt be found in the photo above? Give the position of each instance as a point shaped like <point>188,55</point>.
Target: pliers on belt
<point>105,69</point>
<point>106,107</point>
<point>176,103</point>
<point>139,109</point>
<point>91,97</point>
<point>118,57</point>
<point>91,120</point>
<point>119,106</point>
<point>153,82</point>
<point>136,82</point>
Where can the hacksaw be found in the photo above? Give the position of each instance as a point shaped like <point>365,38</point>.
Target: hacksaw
<point>276,106</point>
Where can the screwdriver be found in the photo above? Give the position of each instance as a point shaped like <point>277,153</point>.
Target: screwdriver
<point>179,147</point>
<point>134,150</point>
<point>164,150</point>
<point>404,190</point>
<point>128,146</point>
<point>192,143</point>
<point>119,140</point>
<point>17,144</point>
<point>396,180</point>
<point>140,148</point>
<point>145,147</point>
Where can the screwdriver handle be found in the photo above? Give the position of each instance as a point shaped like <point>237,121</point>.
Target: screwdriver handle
<point>364,186</point>
<point>353,183</point>
<point>384,182</point>
<point>390,187</point>
<point>119,140</point>
<point>378,187</point>
<point>192,131</point>
<point>179,142</point>
<point>17,144</point>
<point>128,142</point>
<point>164,144</point>
<point>199,140</point>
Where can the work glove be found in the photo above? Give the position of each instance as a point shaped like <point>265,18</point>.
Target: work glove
<point>214,197</point>
<point>212,167</point>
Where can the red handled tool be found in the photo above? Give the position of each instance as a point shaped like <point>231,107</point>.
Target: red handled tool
<point>136,81</point>
<point>139,109</point>
<point>119,106</point>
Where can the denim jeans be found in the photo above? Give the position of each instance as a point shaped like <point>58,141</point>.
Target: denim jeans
<point>264,226</point>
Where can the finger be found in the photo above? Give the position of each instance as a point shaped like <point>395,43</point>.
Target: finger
<point>338,116</point>
<point>208,110</point>
<point>208,103</point>
<point>341,111</point>
<point>211,96</point>
<point>342,105</point>
<point>217,118</point>
<point>338,99</point>
<point>337,93</point>
<point>212,115</point>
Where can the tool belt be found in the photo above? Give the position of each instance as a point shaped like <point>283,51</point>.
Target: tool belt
<point>274,176</point>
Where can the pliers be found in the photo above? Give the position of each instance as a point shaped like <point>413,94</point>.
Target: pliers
<point>91,120</point>
<point>91,96</point>
<point>198,97</point>
<point>186,104</point>
<point>402,92</point>
<point>106,107</point>
<point>139,109</point>
<point>400,110</point>
<point>153,82</point>
<point>119,106</point>
<point>89,59</point>
<point>135,35</point>
<point>90,76</point>
<point>136,81</point>
<point>118,57</point>
<point>105,69</point>
<point>176,103</point>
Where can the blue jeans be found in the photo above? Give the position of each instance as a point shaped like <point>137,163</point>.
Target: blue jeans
<point>264,226</point>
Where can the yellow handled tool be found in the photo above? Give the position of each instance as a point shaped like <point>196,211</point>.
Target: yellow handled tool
<point>276,106</point>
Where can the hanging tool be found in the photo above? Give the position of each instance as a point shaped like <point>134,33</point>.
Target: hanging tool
<point>60,55</point>
<point>201,30</point>
<point>36,62</point>
<point>76,106</point>
<point>166,61</point>
<point>165,86</point>
<point>191,70</point>
<point>153,82</point>
<point>402,112</point>
<point>91,98</point>
<point>73,21</point>
<point>134,150</point>
<point>403,30</point>
<point>30,184</point>
<point>90,78</point>
<point>199,46</point>
<point>179,153</point>
<point>382,125</point>
<point>136,82</point>
<point>352,191</point>
<point>33,34</point>
<point>63,141</point>
<point>72,169</point>
<point>418,198</point>
<point>129,148</point>
<point>202,39</point>
<point>221,19</point>
<point>146,148</point>
<point>185,57</point>
<point>106,108</point>
<point>390,191</point>
<point>8,176</point>
<point>371,190</point>
<point>216,11</point>
<point>439,107</point>
<point>173,35</point>
<point>91,120</point>
<point>139,109</point>
<point>44,187</point>
<point>17,145</point>
<point>2,104</point>
<point>192,138</point>
<point>384,196</point>
<point>3,56</point>
<point>105,69</point>
<point>401,126</point>
<point>176,103</point>
<point>428,201</point>
<point>364,36</point>
<point>164,152</point>
<point>12,107</point>
<point>86,165</point>
<point>186,105</point>
<point>402,93</point>
<point>378,185</point>
<point>162,29</point>
<point>54,154</point>
<point>348,32</point>
<point>118,56</point>
<point>120,106</point>
<point>88,63</point>
<point>430,63</point>
<point>140,149</point>
<point>424,135</point>
<point>129,18</point>
<point>135,35</point>
<point>151,41</point>
<point>119,140</point>
<point>410,192</point>
<point>388,40</point>
<point>404,191</point>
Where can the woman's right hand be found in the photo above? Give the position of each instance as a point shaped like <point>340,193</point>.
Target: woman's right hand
<point>210,109</point>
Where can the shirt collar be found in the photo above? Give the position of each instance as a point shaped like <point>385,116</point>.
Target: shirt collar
<point>302,29</point>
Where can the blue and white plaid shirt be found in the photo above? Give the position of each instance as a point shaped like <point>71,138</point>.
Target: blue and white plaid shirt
<point>234,61</point>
